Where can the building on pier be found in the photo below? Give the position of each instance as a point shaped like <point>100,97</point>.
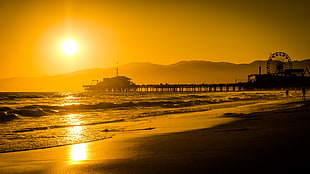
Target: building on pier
<point>117,83</point>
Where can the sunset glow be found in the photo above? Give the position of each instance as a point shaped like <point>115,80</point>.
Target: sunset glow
<point>101,33</point>
<point>154,86</point>
<point>69,47</point>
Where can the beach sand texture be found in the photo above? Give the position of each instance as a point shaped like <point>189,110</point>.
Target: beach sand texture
<point>262,142</point>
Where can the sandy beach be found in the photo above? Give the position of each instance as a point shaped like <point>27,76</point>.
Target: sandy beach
<point>262,142</point>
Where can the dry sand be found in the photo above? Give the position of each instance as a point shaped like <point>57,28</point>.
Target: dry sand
<point>262,142</point>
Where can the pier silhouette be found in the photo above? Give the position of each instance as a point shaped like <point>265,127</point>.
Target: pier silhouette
<point>172,88</point>
<point>280,75</point>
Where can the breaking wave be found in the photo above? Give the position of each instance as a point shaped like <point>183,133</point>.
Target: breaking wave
<point>172,102</point>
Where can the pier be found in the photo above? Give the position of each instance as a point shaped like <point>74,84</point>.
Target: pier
<point>280,74</point>
<point>192,87</point>
<point>227,87</point>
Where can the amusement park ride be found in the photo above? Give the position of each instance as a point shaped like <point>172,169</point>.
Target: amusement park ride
<point>280,74</point>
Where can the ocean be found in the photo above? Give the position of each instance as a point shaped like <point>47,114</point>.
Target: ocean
<point>36,120</point>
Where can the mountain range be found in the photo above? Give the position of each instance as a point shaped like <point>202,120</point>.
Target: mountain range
<point>144,73</point>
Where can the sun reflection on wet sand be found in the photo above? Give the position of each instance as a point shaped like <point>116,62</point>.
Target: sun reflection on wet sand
<point>78,153</point>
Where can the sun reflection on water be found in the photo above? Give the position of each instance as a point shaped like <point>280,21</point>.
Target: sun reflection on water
<point>73,119</point>
<point>70,100</point>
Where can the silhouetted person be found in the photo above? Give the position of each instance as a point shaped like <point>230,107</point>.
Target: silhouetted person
<point>303,89</point>
<point>287,92</point>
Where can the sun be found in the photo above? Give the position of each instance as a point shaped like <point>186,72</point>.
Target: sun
<point>69,47</point>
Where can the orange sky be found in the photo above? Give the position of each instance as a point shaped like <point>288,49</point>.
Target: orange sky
<point>157,31</point>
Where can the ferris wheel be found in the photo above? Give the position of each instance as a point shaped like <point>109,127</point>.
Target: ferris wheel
<point>278,62</point>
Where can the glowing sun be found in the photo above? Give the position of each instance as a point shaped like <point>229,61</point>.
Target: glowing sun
<point>69,47</point>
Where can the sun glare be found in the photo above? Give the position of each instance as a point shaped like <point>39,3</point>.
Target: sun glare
<point>69,47</point>
<point>78,153</point>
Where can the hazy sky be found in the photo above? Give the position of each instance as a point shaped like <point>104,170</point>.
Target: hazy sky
<point>157,31</point>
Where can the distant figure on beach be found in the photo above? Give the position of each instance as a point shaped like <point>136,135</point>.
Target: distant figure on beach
<point>287,93</point>
<point>303,89</point>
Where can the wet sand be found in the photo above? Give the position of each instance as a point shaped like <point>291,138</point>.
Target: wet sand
<point>262,142</point>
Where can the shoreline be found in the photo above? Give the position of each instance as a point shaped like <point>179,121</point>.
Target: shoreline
<point>252,142</point>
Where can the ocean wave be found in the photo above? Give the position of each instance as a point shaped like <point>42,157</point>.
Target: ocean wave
<point>8,96</point>
<point>65,126</point>
<point>33,110</point>
<point>167,112</point>
<point>127,130</point>
<point>5,116</point>
<point>30,112</point>
<point>176,102</point>
<point>5,108</point>
<point>166,102</point>
<point>22,146</point>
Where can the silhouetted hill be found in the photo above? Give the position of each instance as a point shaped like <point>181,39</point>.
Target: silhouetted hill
<point>144,73</point>
<point>190,72</point>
